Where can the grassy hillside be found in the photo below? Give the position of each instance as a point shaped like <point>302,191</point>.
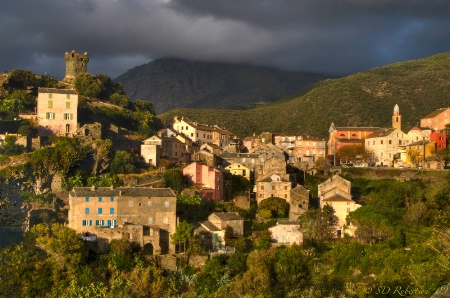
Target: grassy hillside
<point>362,99</point>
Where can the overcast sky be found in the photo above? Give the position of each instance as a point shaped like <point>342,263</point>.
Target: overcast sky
<point>324,36</point>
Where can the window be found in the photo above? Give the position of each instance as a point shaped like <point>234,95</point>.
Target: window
<point>86,210</point>
<point>111,210</point>
<point>273,187</point>
<point>166,204</point>
<point>100,199</point>
<point>49,115</point>
<point>381,142</point>
<point>100,211</point>
<point>111,199</point>
<point>390,142</point>
<point>68,116</point>
<point>348,210</point>
<point>67,95</point>
<point>83,222</point>
<point>399,142</point>
<point>150,221</point>
<point>86,199</point>
<point>149,203</point>
<point>67,104</point>
<point>96,222</point>
<point>109,222</point>
<point>50,104</point>
<point>130,203</point>
<point>90,222</point>
<point>166,220</point>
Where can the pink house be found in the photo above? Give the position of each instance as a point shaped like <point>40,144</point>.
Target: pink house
<point>207,179</point>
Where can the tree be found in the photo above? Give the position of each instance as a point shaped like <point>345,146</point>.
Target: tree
<point>119,100</point>
<point>273,207</point>
<point>352,153</point>
<point>174,179</point>
<point>319,224</point>
<point>122,163</point>
<point>184,234</point>
<point>88,85</point>
<point>415,155</point>
<point>10,147</point>
<point>371,226</point>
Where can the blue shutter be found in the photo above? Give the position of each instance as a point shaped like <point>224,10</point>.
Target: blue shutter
<point>96,222</point>
<point>111,210</point>
<point>109,223</point>
<point>86,210</point>
<point>87,199</point>
<point>100,210</point>
<point>100,199</point>
<point>111,199</point>
<point>83,222</point>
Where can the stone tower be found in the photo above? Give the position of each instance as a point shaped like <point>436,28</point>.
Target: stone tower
<point>75,64</point>
<point>396,118</point>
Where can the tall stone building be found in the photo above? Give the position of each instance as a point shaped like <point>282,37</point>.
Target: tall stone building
<point>146,216</point>
<point>75,64</point>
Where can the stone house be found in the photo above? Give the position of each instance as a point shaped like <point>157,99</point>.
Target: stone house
<point>299,203</point>
<point>146,216</point>
<point>212,231</point>
<point>57,112</point>
<point>274,185</point>
<point>286,233</point>
<point>336,192</point>
<point>208,180</point>
<point>301,148</point>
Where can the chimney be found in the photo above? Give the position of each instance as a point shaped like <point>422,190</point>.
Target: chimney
<point>93,187</point>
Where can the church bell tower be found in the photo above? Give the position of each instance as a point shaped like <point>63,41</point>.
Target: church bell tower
<point>396,118</point>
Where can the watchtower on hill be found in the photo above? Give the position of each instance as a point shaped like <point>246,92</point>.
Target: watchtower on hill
<point>75,64</point>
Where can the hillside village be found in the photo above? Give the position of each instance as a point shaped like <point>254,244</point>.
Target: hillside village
<point>269,169</point>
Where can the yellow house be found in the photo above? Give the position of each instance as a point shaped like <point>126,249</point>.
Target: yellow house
<point>417,152</point>
<point>239,169</point>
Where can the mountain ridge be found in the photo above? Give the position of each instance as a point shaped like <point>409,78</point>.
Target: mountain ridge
<point>171,83</point>
<point>363,99</point>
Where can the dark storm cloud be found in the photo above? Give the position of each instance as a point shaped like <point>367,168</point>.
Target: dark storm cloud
<point>327,36</point>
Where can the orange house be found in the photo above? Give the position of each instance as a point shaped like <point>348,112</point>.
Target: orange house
<point>345,136</point>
